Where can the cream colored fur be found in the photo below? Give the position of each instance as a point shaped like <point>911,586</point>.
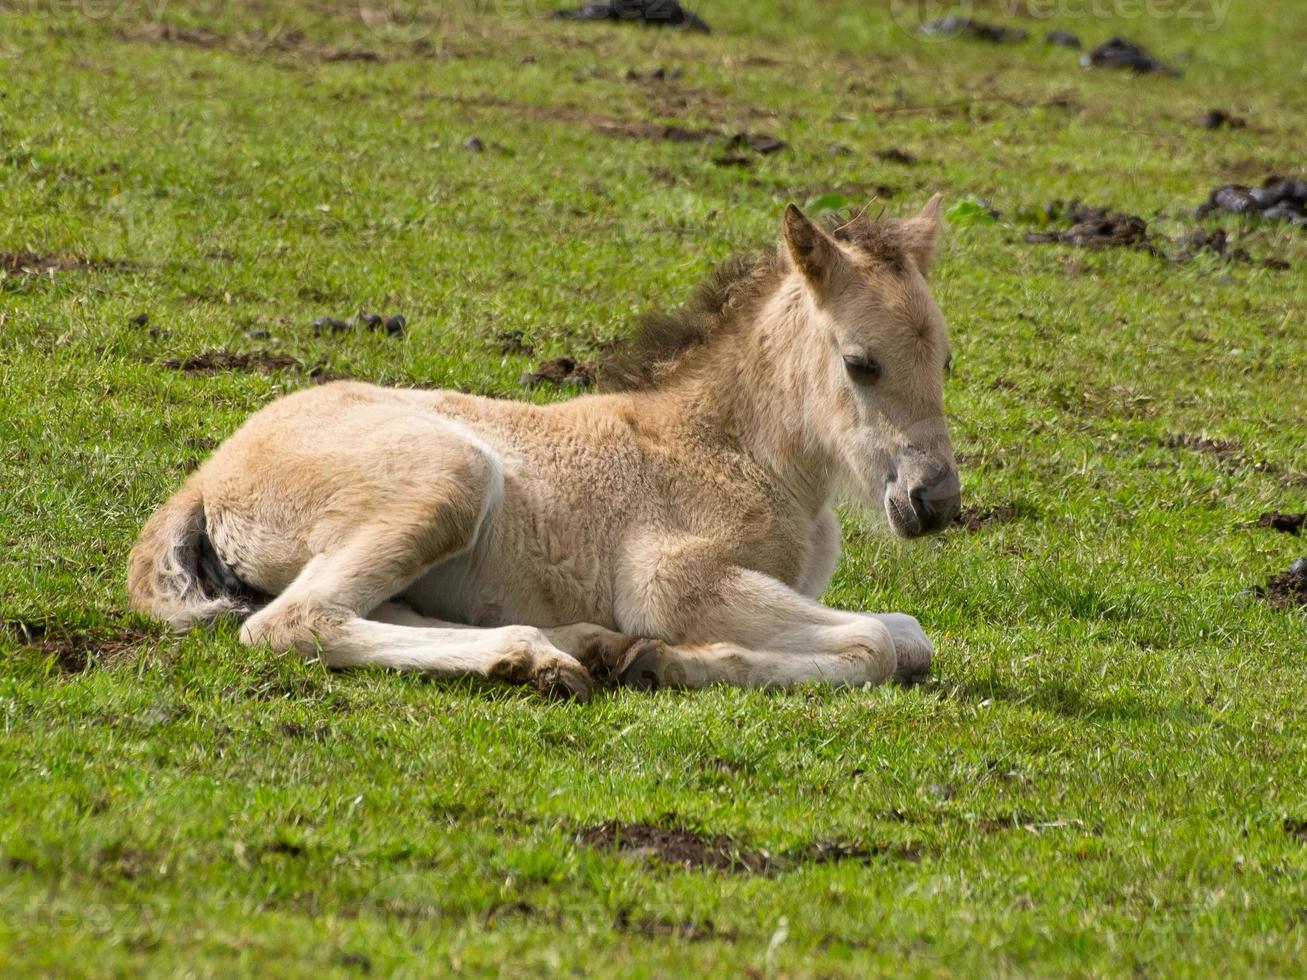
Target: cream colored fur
<point>672,536</point>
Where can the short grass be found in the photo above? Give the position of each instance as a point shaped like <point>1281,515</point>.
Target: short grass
<point>1107,773</point>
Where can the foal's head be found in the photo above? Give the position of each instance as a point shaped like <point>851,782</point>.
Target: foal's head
<point>876,352</point>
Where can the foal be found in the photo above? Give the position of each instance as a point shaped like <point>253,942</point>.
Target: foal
<point>675,531</point>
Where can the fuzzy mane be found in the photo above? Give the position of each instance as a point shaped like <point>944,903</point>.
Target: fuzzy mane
<point>663,343</point>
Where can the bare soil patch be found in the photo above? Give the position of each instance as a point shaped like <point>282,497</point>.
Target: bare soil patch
<point>514,342</point>
<point>1220,119</point>
<point>1280,521</point>
<point>1232,457</point>
<point>40,264</point>
<point>658,132</point>
<point>894,154</point>
<point>292,42</point>
<point>221,361</point>
<point>1288,590</point>
<point>679,847</point>
<point>76,651</point>
<point>975,519</point>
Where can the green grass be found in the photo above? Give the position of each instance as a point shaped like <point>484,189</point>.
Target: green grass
<point>1105,773</point>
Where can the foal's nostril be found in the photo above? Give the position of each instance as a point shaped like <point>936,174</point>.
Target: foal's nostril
<point>936,504</point>
<point>920,505</point>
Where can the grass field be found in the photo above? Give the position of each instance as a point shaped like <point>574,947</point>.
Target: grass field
<point>1107,773</point>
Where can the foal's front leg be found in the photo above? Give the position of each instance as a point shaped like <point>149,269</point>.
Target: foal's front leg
<point>748,629</point>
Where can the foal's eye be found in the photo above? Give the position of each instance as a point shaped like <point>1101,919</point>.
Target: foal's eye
<point>862,369</point>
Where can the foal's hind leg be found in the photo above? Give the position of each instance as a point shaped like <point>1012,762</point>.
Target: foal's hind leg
<point>399,526</point>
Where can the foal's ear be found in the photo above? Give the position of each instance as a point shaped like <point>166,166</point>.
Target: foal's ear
<point>813,252</point>
<point>921,234</point>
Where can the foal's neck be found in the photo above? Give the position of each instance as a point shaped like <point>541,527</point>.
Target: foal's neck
<point>748,394</point>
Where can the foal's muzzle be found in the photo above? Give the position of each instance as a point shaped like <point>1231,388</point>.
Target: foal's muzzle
<point>923,497</point>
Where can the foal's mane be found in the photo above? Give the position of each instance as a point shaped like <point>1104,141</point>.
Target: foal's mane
<point>664,343</point>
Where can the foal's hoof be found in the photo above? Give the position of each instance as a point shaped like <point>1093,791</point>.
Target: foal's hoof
<point>643,665</point>
<point>914,649</point>
<point>559,678</point>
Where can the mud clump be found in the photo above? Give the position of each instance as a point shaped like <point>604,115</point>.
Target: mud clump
<point>955,25</point>
<point>654,13</point>
<point>741,147</point>
<point>1279,521</point>
<point>1220,119</point>
<point>896,155</point>
<point>761,143</point>
<point>1095,227</point>
<point>1125,55</point>
<point>1063,39</point>
<point>394,326</point>
<point>221,361</point>
<point>562,371</point>
<point>76,651</point>
<point>1278,199</point>
<point>514,342</point>
<point>1201,240</point>
<point>1288,590</point>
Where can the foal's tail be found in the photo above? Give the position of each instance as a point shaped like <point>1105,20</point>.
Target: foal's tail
<point>175,575</point>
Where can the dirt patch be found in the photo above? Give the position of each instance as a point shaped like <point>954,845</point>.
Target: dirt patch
<point>1280,521</point>
<point>76,651</point>
<point>289,42</point>
<point>1094,227</point>
<point>1099,227</point>
<point>975,519</point>
<point>659,74</point>
<point>742,147</point>
<point>1288,590</point>
<point>563,371</point>
<point>654,131</point>
<point>1279,199</point>
<point>761,143</point>
<point>600,123</point>
<point>1126,55</point>
<point>285,848</point>
<point>1220,119</point>
<point>1231,456</point>
<point>221,361</point>
<point>682,930</point>
<point>514,342</point>
<point>678,847</point>
<point>39,264</point>
<point>895,155</point>
<point>652,13</point>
